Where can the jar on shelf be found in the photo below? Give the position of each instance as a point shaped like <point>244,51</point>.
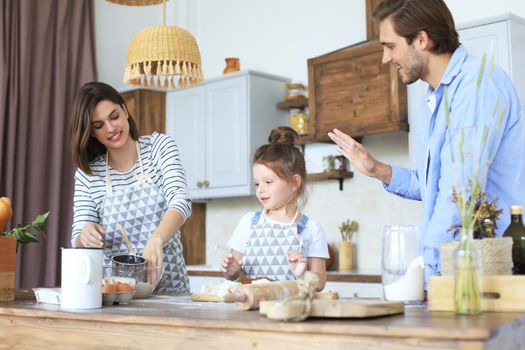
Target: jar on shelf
<point>340,163</point>
<point>299,121</point>
<point>294,91</point>
<point>328,163</point>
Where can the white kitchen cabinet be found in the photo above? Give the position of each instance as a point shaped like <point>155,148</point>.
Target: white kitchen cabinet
<point>500,37</point>
<point>219,124</point>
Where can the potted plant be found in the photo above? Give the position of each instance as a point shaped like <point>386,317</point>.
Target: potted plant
<point>496,253</point>
<point>9,242</point>
<point>347,228</point>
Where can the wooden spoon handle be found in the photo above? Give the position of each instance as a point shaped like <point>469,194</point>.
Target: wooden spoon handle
<point>128,243</point>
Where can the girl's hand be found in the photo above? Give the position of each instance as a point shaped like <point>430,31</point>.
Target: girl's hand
<point>231,266</point>
<point>153,250</point>
<point>297,263</point>
<point>91,236</point>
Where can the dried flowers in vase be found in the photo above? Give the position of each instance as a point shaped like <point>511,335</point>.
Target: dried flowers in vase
<point>471,151</point>
<point>348,228</point>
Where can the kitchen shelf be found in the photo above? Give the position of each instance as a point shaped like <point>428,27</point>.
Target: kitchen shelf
<point>301,102</point>
<point>329,175</point>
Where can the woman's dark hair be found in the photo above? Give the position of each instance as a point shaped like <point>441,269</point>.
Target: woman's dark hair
<point>282,156</point>
<point>84,147</point>
<point>409,17</point>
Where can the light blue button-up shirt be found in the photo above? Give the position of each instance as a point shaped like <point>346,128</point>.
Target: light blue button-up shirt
<point>439,167</point>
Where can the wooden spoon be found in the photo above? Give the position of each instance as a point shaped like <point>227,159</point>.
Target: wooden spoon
<point>126,240</point>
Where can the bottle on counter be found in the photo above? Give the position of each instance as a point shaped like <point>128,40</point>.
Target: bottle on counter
<point>516,230</point>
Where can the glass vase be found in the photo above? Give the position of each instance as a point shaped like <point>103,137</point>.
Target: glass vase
<point>467,276</point>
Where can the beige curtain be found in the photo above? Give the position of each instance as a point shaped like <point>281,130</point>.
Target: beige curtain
<point>46,54</point>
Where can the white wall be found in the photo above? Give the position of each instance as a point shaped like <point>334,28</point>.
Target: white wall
<point>278,36</point>
<point>115,26</point>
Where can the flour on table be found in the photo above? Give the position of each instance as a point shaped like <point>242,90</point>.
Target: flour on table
<point>219,288</point>
<point>261,281</point>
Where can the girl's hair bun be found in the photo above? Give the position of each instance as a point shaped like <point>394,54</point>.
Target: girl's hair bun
<point>283,135</point>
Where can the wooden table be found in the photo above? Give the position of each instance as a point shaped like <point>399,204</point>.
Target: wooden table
<point>176,322</point>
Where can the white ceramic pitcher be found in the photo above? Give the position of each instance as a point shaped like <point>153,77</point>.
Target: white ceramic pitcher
<point>82,278</point>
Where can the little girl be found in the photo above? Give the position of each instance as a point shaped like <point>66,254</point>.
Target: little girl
<point>278,242</point>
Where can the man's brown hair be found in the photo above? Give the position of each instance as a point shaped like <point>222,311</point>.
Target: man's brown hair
<point>409,17</point>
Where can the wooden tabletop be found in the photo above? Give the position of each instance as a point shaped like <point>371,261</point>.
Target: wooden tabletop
<point>176,320</point>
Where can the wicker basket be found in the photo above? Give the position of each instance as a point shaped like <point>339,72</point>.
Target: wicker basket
<point>496,256</point>
<point>137,2</point>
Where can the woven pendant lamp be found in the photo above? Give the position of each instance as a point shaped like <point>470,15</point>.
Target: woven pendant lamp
<point>163,56</point>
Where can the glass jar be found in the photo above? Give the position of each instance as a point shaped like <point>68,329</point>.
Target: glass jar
<point>467,276</point>
<point>299,121</point>
<point>402,267</point>
<point>328,163</point>
<point>294,91</point>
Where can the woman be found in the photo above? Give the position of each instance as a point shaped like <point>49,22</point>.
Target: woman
<point>137,182</point>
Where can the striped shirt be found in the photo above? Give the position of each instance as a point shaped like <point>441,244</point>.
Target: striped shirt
<point>161,161</point>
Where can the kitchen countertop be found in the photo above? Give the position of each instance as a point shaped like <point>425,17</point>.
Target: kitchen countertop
<point>177,322</point>
<point>355,275</point>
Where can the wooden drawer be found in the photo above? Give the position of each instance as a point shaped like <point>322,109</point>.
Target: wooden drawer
<point>353,91</point>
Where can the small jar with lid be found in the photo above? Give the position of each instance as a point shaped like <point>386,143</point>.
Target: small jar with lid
<point>294,91</point>
<point>299,121</point>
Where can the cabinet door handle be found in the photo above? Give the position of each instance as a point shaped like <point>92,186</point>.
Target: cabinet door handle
<point>206,184</point>
<point>199,184</point>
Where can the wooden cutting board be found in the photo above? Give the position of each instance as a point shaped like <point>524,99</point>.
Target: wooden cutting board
<point>331,308</point>
<point>229,298</point>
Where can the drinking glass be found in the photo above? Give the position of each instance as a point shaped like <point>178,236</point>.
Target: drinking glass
<point>402,269</point>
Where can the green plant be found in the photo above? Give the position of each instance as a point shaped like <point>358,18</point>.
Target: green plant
<point>472,149</point>
<point>24,235</point>
<point>348,228</point>
<point>487,214</point>
<point>467,162</point>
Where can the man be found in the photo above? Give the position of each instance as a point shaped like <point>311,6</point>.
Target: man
<point>420,40</point>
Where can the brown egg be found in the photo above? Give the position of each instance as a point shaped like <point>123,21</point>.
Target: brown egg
<point>124,288</point>
<point>109,288</point>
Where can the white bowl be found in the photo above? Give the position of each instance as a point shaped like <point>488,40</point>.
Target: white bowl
<point>143,289</point>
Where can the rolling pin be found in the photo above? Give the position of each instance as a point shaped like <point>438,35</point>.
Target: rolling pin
<point>234,297</point>
<point>248,296</point>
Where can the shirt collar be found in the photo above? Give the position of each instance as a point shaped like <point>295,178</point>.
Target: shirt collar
<point>453,69</point>
<point>454,66</point>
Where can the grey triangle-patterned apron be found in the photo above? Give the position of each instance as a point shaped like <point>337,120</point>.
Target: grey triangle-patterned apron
<point>267,249</point>
<point>140,208</point>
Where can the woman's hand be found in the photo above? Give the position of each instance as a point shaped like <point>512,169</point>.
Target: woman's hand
<point>91,236</point>
<point>153,250</point>
<point>297,263</point>
<point>231,265</point>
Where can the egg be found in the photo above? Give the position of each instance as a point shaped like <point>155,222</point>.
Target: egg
<point>109,288</point>
<point>124,288</point>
